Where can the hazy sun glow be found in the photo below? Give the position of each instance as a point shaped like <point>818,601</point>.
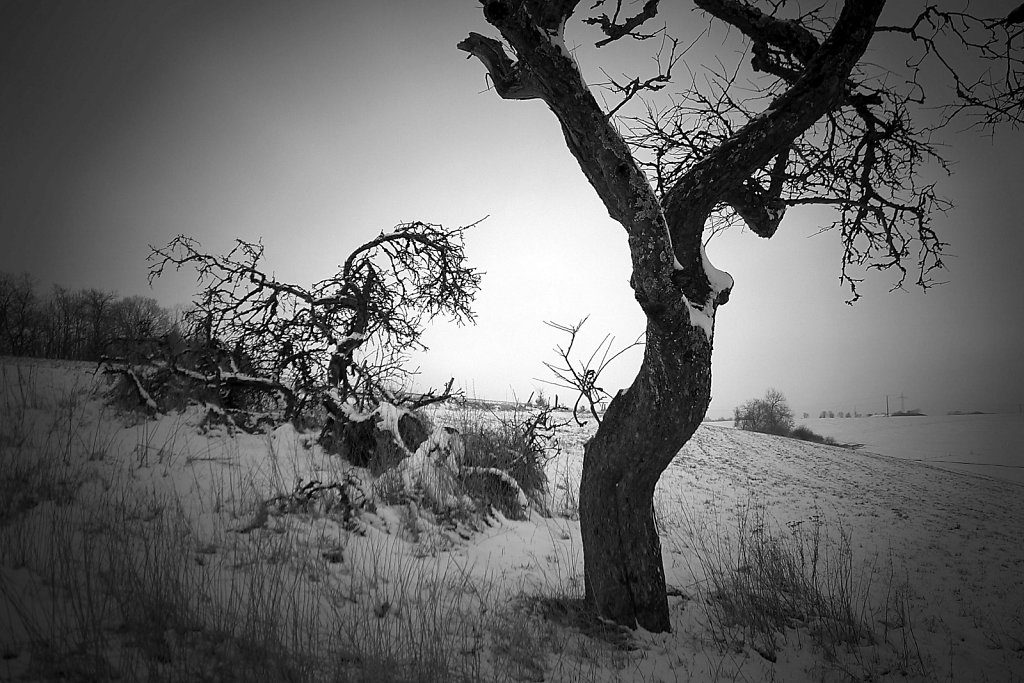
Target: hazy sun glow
<point>314,130</point>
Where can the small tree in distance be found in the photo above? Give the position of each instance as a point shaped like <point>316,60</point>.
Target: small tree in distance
<point>541,399</point>
<point>768,415</point>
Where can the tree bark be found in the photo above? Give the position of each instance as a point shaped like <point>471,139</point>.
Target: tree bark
<point>646,425</point>
<point>642,431</point>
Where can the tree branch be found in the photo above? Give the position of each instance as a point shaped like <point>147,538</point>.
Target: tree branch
<point>762,209</point>
<point>602,154</point>
<point>615,30</point>
<point>820,88</point>
<point>376,304</point>
<point>584,378</point>
<point>788,35</point>
<point>510,80</point>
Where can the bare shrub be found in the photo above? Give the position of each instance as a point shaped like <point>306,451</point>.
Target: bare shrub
<point>517,442</point>
<point>807,434</point>
<point>768,415</point>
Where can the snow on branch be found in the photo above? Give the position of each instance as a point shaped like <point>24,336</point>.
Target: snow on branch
<point>144,396</point>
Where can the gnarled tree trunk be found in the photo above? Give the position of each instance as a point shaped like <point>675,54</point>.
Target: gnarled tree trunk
<point>678,289</point>
<point>643,430</point>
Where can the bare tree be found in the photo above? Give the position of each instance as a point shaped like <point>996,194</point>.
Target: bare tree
<point>343,340</point>
<point>99,306</point>
<point>808,120</point>
<point>19,314</point>
<point>71,324</point>
<point>139,318</point>
<point>59,324</point>
<point>768,415</point>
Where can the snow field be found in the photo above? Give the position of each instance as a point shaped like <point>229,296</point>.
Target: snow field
<point>991,445</point>
<point>146,550</point>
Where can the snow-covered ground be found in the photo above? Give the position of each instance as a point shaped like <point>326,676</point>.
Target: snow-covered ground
<point>989,444</point>
<point>137,547</point>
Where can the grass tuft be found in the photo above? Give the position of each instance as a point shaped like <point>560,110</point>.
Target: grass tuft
<point>519,442</point>
<point>762,585</point>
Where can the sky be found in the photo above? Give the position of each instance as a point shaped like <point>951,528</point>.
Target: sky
<point>314,125</point>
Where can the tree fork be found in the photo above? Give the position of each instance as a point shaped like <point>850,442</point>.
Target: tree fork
<point>647,425</point>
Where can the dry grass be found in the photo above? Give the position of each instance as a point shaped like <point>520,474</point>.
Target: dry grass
<point>763,584</point>
<point>766,587</point>
<point>140,553</point>
<point>109,572</point>
<point>516,441</point>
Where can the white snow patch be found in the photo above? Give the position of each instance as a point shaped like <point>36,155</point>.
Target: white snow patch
<point>389,415</point>
<point>952,538</point>
<point>719,279</point>
<point>700,318</point>
<point>349,408</point>
<point>433,466</point>
<point>355,336</point>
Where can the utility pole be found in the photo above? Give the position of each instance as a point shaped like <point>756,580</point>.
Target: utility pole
<point>903,408</point>
<point>887,405</point>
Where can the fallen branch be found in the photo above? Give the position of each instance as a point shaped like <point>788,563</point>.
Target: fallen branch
<point>144,396</point>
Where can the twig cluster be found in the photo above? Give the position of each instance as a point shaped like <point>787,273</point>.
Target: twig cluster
<point>582,376</point>
<point>351,332</point>
<point>867,159</point>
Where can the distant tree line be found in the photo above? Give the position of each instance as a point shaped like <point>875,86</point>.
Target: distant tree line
<point>832,413</point>
<point>83,324</point>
